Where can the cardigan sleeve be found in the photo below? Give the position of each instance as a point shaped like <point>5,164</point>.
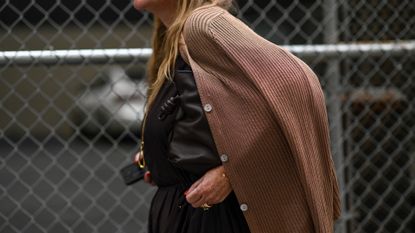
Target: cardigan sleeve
<point>223,45</point>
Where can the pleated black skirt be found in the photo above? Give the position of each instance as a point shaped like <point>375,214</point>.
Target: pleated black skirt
<point>170,213</point>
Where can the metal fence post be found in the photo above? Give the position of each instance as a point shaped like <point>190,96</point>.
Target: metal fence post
<point>334,86</point>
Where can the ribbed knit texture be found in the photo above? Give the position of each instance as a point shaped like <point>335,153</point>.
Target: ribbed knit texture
<point>269,116</point>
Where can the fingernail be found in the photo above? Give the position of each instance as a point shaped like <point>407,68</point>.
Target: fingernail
<point>185,193</point>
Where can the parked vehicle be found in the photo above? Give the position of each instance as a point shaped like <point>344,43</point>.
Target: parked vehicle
<point>114,107</point>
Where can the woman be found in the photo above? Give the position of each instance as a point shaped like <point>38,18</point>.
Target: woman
<point>236,132</point>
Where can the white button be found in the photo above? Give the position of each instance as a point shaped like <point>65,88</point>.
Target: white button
<point>224,158</point>
<point>244,207</point>
<point>207,107</point>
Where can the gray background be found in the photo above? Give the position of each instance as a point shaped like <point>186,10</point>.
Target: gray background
<point>58,176</point>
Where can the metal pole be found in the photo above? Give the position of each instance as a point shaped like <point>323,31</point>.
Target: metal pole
<point>73,57</point>
<point>334,102</point>
<point>101,56</point>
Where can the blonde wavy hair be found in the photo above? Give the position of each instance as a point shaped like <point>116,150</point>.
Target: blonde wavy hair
<point>165,44</point>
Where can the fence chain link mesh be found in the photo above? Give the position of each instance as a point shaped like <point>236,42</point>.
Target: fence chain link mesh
<point>66,130</point>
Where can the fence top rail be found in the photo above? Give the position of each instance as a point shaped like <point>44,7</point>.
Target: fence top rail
<point>101,56</point>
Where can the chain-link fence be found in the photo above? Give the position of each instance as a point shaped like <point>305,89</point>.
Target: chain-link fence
<point>69,119</point>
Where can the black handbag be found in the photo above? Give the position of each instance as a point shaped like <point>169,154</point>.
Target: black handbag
<point>132,173</point>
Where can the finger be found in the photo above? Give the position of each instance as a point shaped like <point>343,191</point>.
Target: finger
<point>147,177</point>
<point>194,196</point>
<point>200,202</point>
<point>213,197</point>
<point>194,186</point>
<point>137,157</point>
<point>217,193</point>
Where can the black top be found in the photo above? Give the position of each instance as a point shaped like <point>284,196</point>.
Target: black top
<point>177,134</point>
<point>179,149</point>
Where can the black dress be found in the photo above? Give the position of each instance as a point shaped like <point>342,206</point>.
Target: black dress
<point>178,150</point>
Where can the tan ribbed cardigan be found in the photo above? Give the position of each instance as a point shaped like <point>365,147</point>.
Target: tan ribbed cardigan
<point>268,115</point>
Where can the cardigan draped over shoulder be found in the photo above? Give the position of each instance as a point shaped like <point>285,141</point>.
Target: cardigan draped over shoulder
<point>267,114</point>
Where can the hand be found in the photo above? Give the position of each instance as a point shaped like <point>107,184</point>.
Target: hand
<point>211,188</point>
<point>147,175</point>
<point>138,157</point>
<point>147,178</point>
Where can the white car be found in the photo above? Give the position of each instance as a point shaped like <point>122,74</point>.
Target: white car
<point>115,107</point>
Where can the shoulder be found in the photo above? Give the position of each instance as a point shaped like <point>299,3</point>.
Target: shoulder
<point>201,17</point>
<point>199,24</point>
<point>199,34</point>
